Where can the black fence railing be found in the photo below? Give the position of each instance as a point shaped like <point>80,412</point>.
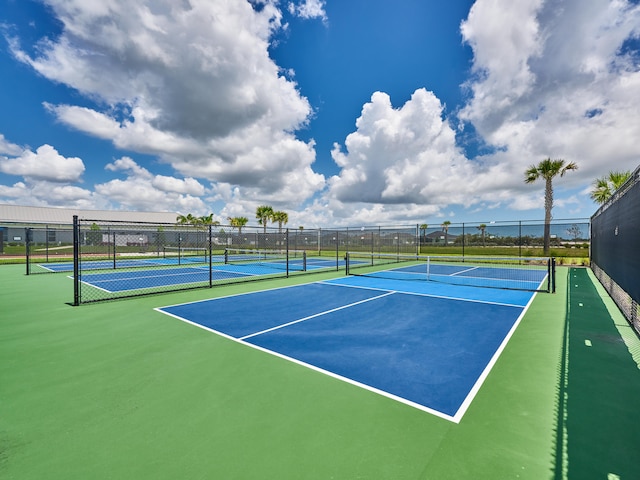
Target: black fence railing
<point>115,260</point>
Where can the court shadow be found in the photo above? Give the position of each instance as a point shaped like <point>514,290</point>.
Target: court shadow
<point>598,419</point>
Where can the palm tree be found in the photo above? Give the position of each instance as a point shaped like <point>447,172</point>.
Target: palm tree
<point>238,222</point>
<point>445,227</point>
<point>548,169</point>
<point>280,217</point>
<point>185,219</point>
<point>423,229</point>
<point>207,220</point>
<point>264,213</point>
<point>482,227</point>
<point>604,187</point>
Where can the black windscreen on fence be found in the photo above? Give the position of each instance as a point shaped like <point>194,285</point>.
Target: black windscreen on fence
<point>615,256</point>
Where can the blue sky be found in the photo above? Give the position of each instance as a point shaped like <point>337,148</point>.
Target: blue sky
<point>338,112</point>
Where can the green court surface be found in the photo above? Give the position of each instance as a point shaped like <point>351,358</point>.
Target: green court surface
<point>117,390</point>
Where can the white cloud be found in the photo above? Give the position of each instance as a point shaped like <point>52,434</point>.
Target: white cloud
<point>189,186</point>
<point>45,164</point>
<point>401,156</point>
<point>552,81</point>
<point>8,148</point>
<point>141,190</point>
<point>191,82</point>
<point>43,193</point>
<point>309,9</point>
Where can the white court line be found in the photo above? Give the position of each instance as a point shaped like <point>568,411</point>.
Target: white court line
<point>315,315</point>
<point>461,271</point>
<point>456,418</point>
<point>445,297</point>
<point>485,373</point>
<point>310,366</point>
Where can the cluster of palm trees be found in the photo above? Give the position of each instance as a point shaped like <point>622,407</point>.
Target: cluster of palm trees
<point>196,221</point>
<point>605,187</point>
<point>264,214</point>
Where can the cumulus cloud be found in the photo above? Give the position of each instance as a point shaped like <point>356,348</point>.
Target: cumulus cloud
<point>401,156</point>
<point>191,82</point>
<point>141,190</point>
<point>43,164</point>
<point>553,79</point>
<point>43,193</point>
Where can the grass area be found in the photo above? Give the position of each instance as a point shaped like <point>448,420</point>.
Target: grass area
<point>118,390</point>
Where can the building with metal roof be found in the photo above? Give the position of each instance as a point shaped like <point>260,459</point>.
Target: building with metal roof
<point>53,225</point>
<point>64,216</point>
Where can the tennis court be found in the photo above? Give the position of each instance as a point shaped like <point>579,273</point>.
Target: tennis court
<point>132,274</point>
<point>426,344</point>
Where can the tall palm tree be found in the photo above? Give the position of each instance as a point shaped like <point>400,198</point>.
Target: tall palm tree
<point>604,187</point>
<point>264,213</point>
<point>423,229</point>
<point>280,217</point>
<point>548,169</point>
<point>445,227</point>
<point>482,227</point>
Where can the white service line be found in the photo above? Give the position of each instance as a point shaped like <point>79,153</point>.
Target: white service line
<point>315,315</point>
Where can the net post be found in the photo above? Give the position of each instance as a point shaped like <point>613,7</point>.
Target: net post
<point>226,256</point>
<point>210,257</point>
<point>46,242</point>
<point>553,275</point>
<point>304,260</point>
<point>76,262</point>
<point>346,263</point>
<point>114,250</point>
<point>428,267</point>
<point>463,241</point>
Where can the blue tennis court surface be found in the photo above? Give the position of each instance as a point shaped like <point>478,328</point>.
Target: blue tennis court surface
<point>421,343</point>
<point>150,273</point>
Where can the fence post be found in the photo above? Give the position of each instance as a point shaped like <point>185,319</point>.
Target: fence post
<point>520,239</point>
<point>27,248</point>
<point>463,241</point>
<point>286,242</point>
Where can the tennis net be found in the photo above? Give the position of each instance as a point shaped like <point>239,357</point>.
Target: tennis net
<point>512,273</point>
<point>186,254</point>
<point>268,258</point>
